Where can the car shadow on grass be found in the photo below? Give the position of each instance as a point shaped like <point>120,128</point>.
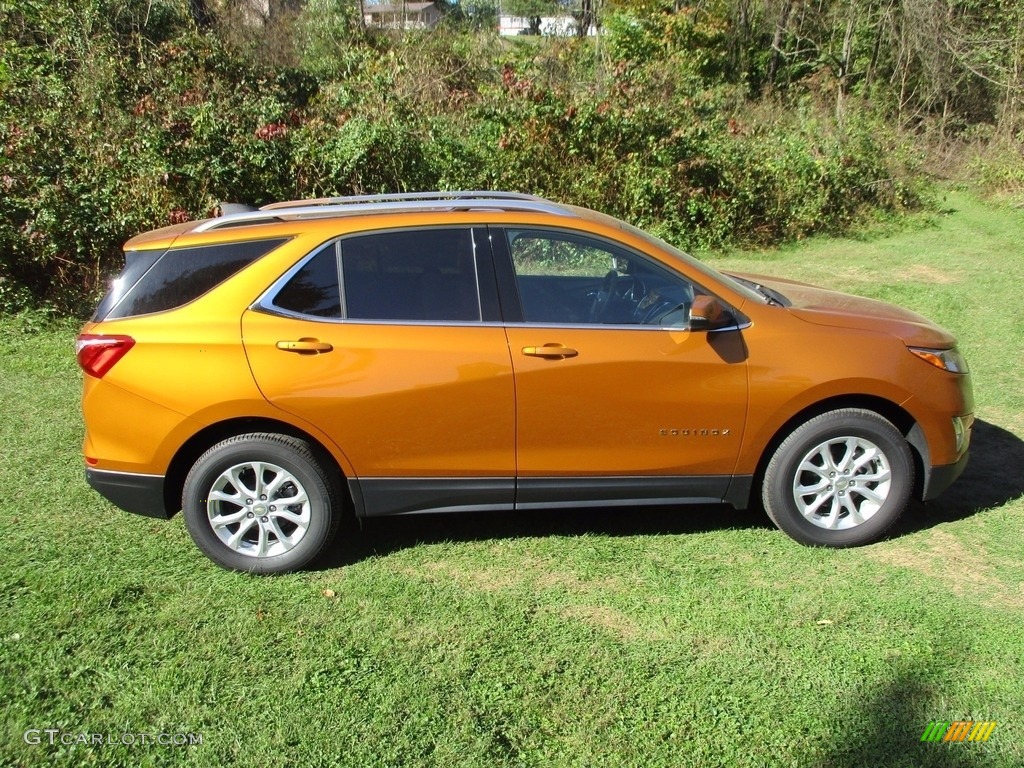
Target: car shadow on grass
<point>992,478</point>
<point>985,483</point>
<point>384,535</point>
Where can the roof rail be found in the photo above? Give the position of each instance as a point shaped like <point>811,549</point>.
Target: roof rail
<point>410,202</point>
<point>403,197</point>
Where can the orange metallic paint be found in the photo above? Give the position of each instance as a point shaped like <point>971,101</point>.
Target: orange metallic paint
<point>395,400</point>
<point>405,400</point>
<point>603,411</point>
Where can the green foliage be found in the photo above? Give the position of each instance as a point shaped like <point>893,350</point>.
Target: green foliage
<point>119,116</point>
<point>998,168</point>
<point>326,32</point>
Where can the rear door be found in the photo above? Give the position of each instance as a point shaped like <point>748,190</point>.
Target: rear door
<point>386,342</point>
<point>617,399</point>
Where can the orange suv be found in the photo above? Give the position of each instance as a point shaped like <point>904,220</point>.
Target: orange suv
<point>272,369</point>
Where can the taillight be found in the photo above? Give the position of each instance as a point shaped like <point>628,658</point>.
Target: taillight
<point>98,354</point>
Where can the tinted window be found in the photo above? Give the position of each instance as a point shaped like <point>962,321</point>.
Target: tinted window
<point>184,274</point>
<point>314,288</point>
<point>136,264</point>
<point>568,279</point>
<point>426,275</point>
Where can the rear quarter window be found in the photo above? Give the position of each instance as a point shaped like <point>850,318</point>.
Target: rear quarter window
<point>176,277</point>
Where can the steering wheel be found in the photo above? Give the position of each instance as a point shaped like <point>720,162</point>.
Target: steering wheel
<point>657,313</point>
<point>615,289</point>
<point>666,303</point>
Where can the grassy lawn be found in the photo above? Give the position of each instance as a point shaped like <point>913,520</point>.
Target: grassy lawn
<point>698,636</point>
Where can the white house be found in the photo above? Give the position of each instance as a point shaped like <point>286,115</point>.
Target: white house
<point>402,15</point>
<point>551,26</point>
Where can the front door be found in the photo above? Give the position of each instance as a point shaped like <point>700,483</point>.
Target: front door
<point>616,397</point>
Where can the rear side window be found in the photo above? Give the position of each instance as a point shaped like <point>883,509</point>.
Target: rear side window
<point>176,277</point>
<point>425,275</point>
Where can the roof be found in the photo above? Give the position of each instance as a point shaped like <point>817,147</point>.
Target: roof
<point>329,207</point>
<point>397,8</point>
<point>324,208</point>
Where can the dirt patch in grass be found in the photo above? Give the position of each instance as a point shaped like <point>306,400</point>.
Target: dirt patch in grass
<point>920,273</point>
<point>925,274</point>
<point>959,568</point>
<point>483,579</point>
<point>606,619</point>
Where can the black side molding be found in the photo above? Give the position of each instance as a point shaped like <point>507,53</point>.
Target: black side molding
<point>376,497</point>
<point>381,496</point>
<point>541,492</point>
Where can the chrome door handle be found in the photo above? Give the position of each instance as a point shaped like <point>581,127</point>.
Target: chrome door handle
<point>551,350</point>
<point>305,346</point>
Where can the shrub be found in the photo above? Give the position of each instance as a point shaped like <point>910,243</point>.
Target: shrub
<point>119,116</point>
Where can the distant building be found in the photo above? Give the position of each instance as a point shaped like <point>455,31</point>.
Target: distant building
<point>402,15</point>
<point>551,26</point>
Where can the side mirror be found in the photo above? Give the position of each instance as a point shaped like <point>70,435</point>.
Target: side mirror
<point>707,313</point>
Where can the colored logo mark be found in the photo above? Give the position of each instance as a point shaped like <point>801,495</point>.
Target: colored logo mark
<point>959,730</point>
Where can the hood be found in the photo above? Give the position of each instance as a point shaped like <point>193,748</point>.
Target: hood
<point>841,310</point>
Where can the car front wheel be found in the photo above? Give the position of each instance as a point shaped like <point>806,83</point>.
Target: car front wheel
<point>261,503</point>
<point>841,479</point>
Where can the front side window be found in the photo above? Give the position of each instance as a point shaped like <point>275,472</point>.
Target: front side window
<point>569,279</point>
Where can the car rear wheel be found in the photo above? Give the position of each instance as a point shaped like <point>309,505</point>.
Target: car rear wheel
<point>261,503</point>
<point>839,480</point>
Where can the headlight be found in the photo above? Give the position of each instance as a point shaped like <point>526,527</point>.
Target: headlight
<point>946,359</point>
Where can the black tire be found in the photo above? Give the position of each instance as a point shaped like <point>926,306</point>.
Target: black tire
<point>267,537</point>
<point>855,508</point>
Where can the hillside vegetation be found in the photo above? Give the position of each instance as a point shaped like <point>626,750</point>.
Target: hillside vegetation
<point>730,122</point>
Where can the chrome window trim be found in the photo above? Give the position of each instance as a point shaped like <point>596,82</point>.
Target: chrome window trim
<point>272,310</point>
<point>343,303</point>
<point>277,311</point>
<point>476,275</point>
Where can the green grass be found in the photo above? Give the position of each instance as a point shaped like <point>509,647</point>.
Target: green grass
<point>614,638</point>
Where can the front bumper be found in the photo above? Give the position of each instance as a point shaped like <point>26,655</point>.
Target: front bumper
<point>139,494</point>
<point>938,479</point>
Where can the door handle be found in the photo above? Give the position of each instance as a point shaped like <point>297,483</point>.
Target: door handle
<point>305,346</point>
<point>551,350</point>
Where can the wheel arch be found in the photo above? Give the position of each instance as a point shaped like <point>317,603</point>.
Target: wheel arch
<point>206,438</point>
<point>897,416</point>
